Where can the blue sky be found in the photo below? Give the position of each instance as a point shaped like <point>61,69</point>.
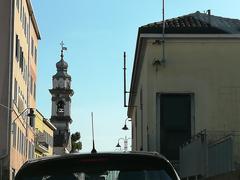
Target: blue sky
<point>96,34</point>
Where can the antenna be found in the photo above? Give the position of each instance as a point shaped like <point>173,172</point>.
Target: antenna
<point>161,62</point>
<point>124,74</point>
<point>163,31</point>
<point>93,149</point>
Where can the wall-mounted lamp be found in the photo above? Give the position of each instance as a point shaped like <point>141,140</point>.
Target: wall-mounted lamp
<point>31,116</point>
<point>125,141</point>
<point>125,125</point>
<point>158,63</point>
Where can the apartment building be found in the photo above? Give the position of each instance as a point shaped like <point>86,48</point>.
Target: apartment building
<point>43,136</point>
<point>19,35</point>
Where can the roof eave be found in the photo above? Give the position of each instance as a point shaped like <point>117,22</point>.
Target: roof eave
<point>49,124</point>
<point>30,9</point>
<point>133,79</point>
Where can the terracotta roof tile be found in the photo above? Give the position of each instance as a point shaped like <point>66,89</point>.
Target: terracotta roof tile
<point>195,23</point>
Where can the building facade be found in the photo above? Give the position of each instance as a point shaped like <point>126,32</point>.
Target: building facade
<point>19,36</point>
<point>43,136</point>
<point>184,81</point>
<point>61,107</point>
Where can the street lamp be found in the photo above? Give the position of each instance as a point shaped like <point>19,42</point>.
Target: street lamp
<point>31,115</point>
<point>125,140</point>
<point>125,125</point>
<point>118,145</point>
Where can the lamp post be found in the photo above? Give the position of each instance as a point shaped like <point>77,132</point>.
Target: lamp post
<point>125,141</point>
<point>31,115</point>
<point>125,125</point>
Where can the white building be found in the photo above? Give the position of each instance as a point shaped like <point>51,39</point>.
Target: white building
<point>184,83</point>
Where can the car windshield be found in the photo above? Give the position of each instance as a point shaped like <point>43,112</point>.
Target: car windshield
<point>106,175</point>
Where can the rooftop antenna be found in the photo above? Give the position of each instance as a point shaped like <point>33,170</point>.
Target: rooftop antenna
<point>124,73</point>
<point>161,62</point>
<point>163,32</point>
<point>93,149</point>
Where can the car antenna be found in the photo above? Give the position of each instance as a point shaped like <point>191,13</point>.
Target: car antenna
<point>93,149</point>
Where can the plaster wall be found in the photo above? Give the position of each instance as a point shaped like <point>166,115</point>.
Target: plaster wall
<point>206,68</point>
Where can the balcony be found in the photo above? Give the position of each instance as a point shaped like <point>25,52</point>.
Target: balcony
<point>210,153</point>
<point>41,142</point>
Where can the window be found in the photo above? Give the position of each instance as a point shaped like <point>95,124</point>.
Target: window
<point>14,134</point>
<point>23,146</point>
<point>17,138</point>
<point>26,73</point>
<point>17,3</point>
<point>23,64</point>
<point>32,154</point>
<point>17,48</point>
<point>35,55</point>
<point>21,59</point>
<point>32,45</point>
<point>15,91</point>
<point>31,85</point>
<point>25,25</point>
<point>21,10</point>
<point>23,17</point>
<point>29,149</point>
<point>34,90</point>
<point>21,143</point>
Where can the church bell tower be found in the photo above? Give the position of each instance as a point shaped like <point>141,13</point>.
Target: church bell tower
<point>61,105</point>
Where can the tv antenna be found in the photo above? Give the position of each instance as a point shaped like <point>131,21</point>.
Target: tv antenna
<point>93,149</point>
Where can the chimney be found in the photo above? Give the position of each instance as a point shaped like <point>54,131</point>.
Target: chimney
<point>209,16</point>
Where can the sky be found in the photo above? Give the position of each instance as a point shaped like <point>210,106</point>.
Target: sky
<point>96,33</point>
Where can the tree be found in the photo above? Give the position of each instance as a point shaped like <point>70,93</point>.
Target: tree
<point>76,143</point>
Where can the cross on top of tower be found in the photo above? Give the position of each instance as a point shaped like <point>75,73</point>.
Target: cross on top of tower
<point>63,48</point>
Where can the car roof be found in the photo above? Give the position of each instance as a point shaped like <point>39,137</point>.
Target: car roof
<point>79,155</point>
<point>100,161</point>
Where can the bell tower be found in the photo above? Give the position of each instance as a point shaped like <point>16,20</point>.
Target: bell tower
<point>61,106</point>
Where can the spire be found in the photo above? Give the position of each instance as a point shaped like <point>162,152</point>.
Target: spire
<point>63,49</point>
<point>62,65</point>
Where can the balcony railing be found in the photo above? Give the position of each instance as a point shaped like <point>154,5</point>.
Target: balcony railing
<point>210,153</point>
<point>41,142</point>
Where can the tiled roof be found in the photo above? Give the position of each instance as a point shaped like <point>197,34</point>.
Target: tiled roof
<point>195,23</point>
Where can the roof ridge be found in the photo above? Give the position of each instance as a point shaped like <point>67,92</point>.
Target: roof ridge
<point>192,14</point>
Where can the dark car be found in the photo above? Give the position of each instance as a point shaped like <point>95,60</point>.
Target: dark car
<point>99,166</point>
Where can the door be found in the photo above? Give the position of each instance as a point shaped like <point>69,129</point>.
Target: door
<point>175,123</point>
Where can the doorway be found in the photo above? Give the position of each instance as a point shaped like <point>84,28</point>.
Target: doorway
<point>175,123</point>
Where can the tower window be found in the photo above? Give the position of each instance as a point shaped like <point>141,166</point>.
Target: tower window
<point>60,107</point>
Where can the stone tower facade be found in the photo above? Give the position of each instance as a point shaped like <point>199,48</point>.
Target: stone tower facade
<point>61,106</point>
